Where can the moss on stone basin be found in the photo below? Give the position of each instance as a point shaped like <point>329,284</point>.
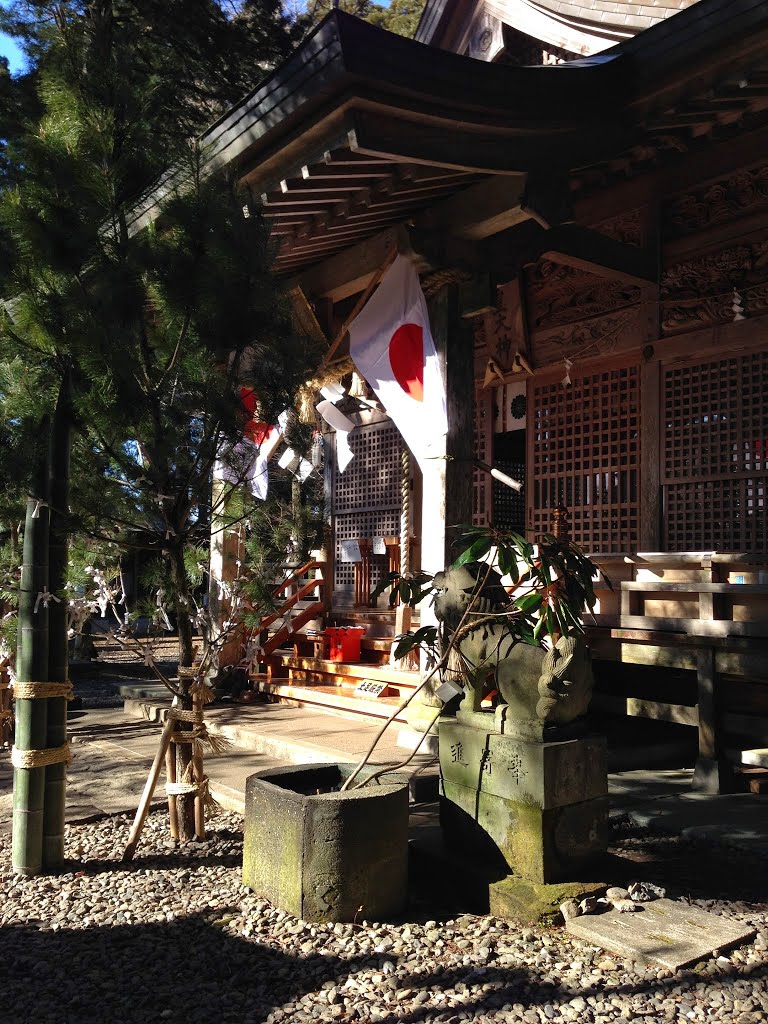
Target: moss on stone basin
<point>323,855</point>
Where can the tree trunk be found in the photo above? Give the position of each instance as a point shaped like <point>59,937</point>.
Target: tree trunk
<point>185,805</point>
<point>297,511</point>
<point>58,643</point>
<point>32,666</point>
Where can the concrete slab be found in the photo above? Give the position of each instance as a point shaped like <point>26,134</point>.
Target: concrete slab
<point>291,735</point>
<point>665,802</point>
<point>664,932</point>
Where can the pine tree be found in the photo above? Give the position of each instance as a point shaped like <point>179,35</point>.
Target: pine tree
<point>145,336</point>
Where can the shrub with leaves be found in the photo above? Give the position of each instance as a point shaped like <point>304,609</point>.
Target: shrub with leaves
<point>547,588</point>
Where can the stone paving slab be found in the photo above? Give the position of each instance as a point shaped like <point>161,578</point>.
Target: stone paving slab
<point>293,735</point>
<point>663,801</point>
<point>663,932</point>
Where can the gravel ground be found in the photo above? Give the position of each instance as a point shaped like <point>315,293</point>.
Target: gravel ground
<point>175,936</point>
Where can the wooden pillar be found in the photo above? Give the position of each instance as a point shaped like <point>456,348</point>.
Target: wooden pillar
<point>713,773</point>
<point>403,611</point>
<point>651,533</point>
<point>328,550</point>
<point>650,456</point>
<point>447,484</point>
<point>446,503</point>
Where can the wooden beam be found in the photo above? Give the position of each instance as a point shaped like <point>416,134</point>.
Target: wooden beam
<point>569,245</point>
<point>547,199</point>
<point>574,246</point>
<point>483,209</point>
<point>438,249</point>
<point>668,122</point>
<point>454,146</point>
<point>335,172</point>
<point>346,274</point>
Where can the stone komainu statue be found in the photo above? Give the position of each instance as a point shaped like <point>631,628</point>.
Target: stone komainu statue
<point>541,687</point>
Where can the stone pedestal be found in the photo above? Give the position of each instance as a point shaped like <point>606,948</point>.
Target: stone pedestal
<point>539,809</point>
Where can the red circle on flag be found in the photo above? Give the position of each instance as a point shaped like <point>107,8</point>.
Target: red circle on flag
<point>406,356</point>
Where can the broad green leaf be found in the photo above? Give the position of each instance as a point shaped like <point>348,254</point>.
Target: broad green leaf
<point>529,602</point>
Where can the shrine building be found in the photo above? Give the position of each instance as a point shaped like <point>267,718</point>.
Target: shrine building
<point>583,189</point>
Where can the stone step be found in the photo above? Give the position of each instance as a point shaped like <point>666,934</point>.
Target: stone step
<point>332,699</point>
<point>306,735</point>
<point>285,735</point>
<point>141,691</point>
<point>322,668</point>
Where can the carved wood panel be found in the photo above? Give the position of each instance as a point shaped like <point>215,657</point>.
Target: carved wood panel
<point>716,202</point>
<point>603,335</point>
<point>699,291</point>
<point>561,295</point>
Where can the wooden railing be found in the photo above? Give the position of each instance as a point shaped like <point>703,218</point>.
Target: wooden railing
<point>269,644</point>
<point>388,561</point>
<point>705,612</point>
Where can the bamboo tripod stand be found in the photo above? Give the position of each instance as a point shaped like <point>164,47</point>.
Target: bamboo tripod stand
<point>166,755</point>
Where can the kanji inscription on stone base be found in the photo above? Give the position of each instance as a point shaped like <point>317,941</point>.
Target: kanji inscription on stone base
<point>665,932</point>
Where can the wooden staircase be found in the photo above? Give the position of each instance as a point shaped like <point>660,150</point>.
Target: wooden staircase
<point>294,666</point>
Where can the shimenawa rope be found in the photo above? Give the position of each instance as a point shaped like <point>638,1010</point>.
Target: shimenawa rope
<point>29,690</point>
<point>41,758</point>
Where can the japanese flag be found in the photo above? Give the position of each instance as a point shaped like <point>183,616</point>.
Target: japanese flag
<point>392,347</point>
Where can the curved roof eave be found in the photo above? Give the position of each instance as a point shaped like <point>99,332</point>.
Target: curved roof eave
<point>348,64</point>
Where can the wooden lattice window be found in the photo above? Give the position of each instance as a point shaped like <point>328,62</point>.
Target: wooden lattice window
<point>715,460</point>
<point>584,452</point>
<point>482,500</point>
<point>367,495</point>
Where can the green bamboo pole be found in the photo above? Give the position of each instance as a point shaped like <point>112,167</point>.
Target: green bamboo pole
<point>58,643</point>
<point>32,666</point>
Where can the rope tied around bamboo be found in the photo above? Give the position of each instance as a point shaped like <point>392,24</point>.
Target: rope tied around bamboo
<point>187,788</point>
<point>190,735</point>
<point>198,732</point>
<point>41,758</point>
<point>30,690</point>
<point>180,715</point>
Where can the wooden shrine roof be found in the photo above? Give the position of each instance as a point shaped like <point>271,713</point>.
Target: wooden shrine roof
<point>587,25</point>
<point>360,130</point>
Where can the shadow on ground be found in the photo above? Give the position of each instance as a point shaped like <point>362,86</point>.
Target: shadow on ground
<point>187,970</point>
<point>192,971</point>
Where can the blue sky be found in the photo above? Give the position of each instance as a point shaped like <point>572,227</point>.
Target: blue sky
<point>9,49</point>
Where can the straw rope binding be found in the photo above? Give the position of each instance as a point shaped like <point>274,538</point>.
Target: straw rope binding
<point>186,716</point>
<point>187,788</point>
<point>41,691</point>
<point>189,736</point>
<point>41,758</point>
